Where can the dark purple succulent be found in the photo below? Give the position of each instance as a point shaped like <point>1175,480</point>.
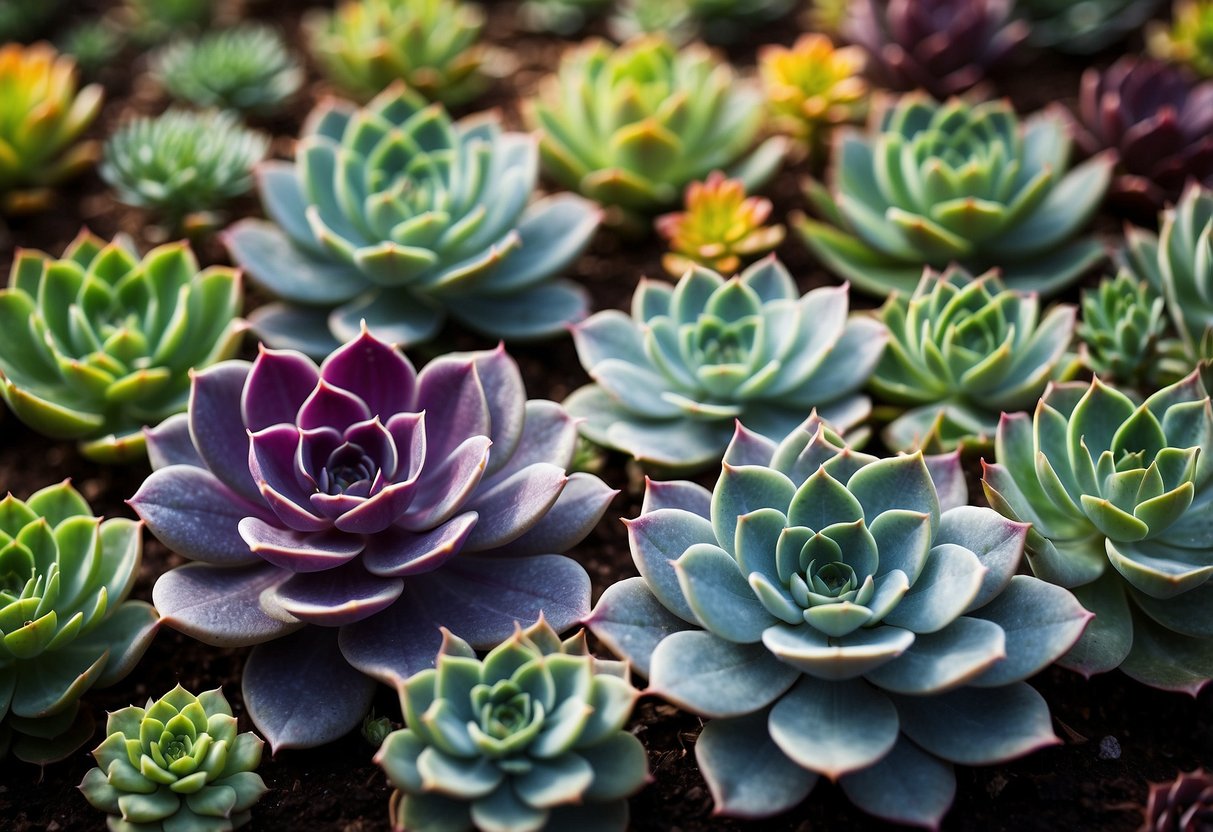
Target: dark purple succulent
<point>942,46</point>
<point>1158,120</point>
<point>375,502</point>
<point>1183,805</point>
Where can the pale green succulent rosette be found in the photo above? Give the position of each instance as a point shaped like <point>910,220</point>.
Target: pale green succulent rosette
<point>1119,497</point>
<point>99,344</point>
<point>65,623</point>
<point>934,184</point>
<point>840,615</point>
<point>671,380</point>
<point>1122,328</point>
<point>177,764</point>
<point>529,738</point>
<point>961,351</point>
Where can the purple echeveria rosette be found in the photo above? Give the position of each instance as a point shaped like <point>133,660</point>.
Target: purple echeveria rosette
<point>372,501</point>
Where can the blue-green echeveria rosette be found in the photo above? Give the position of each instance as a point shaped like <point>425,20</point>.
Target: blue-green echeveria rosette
<point>99,343</point>
<point>961,351</point>
<point>66,625</point>
<point>840,615</point>
<point>671,380</point>
<point>957,182</point>
<point>341,514</point>
<point>529,738</point>
<point>178,764</point>
<point>1119,497</point>
<point>396,215</point>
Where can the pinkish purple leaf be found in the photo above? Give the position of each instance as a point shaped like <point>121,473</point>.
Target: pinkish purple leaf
<point>221,605</point>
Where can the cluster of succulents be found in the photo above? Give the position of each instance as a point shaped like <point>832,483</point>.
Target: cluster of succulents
<point>247,68</point>
<point>719,227</point>
<point>812,86</point>
<point>432,45</point>
<point>395,216</point>
<point>936,183</point>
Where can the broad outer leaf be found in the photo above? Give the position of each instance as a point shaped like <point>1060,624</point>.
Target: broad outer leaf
<point>221,605</point>
<point>713,677</point>
<point>834,727</point>
<point>631,622</point>
<point>906,786</point>
<point>746,772</point>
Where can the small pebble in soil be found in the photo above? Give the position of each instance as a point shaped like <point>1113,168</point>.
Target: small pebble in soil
<point>1109,748</point>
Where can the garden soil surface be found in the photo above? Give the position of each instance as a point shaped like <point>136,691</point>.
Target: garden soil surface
<point>1115,736</point>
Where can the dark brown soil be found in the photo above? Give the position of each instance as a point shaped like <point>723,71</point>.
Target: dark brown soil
<point>1116,735</point>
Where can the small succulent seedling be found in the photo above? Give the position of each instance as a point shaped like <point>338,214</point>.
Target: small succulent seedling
<point>812,86</point>
<point>1122,327</point>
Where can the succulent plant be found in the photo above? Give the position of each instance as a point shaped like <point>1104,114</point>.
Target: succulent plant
<point>153,21</point>
<point>1189,39</point>
<point>1178,262</point>
<point>841,615</point>
<point>65,623</point>
<point>246,68</point>
<point>632,126</point>
<point>394,216</point>
<point>93,44</point>
<point>341,514</point>
<point>716,20</point>
<point>671,380</point>
<point>432,45</point>
<point>961,351</point>
<point>177,763</point>
<point>100,343</point>
<point>1183,805</point>
<point>1157,121</point>
<point>182,166</point>
<point>1118,497</point>
<point>532,739</point>
<point>42,115</point>
<point>1122,328</point>
<point>719,227</point>
<point>671,19</point>
<point>1083,26</point>
<point>812,87</point>
<point>945,47</point>
<point>561,17</point>
<point>933,184</point>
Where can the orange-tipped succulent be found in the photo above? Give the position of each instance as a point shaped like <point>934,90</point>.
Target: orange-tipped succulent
<point>720,227</point>
<point>813,86</point>
<point>42,114</point>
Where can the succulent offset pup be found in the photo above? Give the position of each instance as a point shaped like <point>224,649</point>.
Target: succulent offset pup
<point>840,615</point>
<point>394,215</point>
<point>671,380</point>
<point>630,127</point>
<point>1122,328</point>
<point>1083,27</point>
<point>345,513</point>
<point>42,115</point>
<point>961,351</point>
<point>932,184</point>
<point>529,738</point>
<point>943,46</point>
<point>99,343</point>
<point>175,765</point>
<point>1118,495</point>
<point>65,623</point>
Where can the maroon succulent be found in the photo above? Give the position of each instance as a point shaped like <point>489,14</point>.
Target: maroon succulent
<point>942,46</point>
<point>1158,120</point>
<point>1183,805</point>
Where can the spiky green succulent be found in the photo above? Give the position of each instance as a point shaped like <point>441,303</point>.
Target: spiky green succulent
<point>177,764</point>
<point>98,344</point>
<point>1119,496</point>
<point>932,184</point>
<point>1122,328</point>
<point>246,68</point>
<point>182,166</point>
<point>840,615</point>
<point>65,623</point>
<point>632,126</point>
<point>529,738</point>
<point>671,380</point>
<point>1083,26</point>
<point>432,45</point>
<point>961,351</point>
<point>561,17</point>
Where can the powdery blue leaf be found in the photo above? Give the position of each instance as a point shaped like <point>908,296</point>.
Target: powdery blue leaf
<point>997,542</point>
<point>713,677</point>
<point>301,328</point>
<point>631,622</point>
<point>720,596</point>
<point>287,271</point>
<point>855,654</point>
<point>1166,660</point>
<point>681,494</point>
<point>834,728</point>
<point>907,786</point>
<point>748,775</point>
<point>1108,637</point>
<point>945,659</point>
<point>659,538</point>
<point>943,590</point>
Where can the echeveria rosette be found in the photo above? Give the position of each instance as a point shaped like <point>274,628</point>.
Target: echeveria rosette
<point>1119,495</point>
<point>671,380</point>
<point>65,623</point>
<point>1122,327</point>
<point>99,343</point>
<point>840,615</point>
<point>529,738</point>
<point>1082,27</point>
<point>1183,805</point>
<point>961,351</point>
<point>177,764</point>
<point>812,86</point>
<point>341,514</point>
<point>939,183</point>
<point>394,215</point>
